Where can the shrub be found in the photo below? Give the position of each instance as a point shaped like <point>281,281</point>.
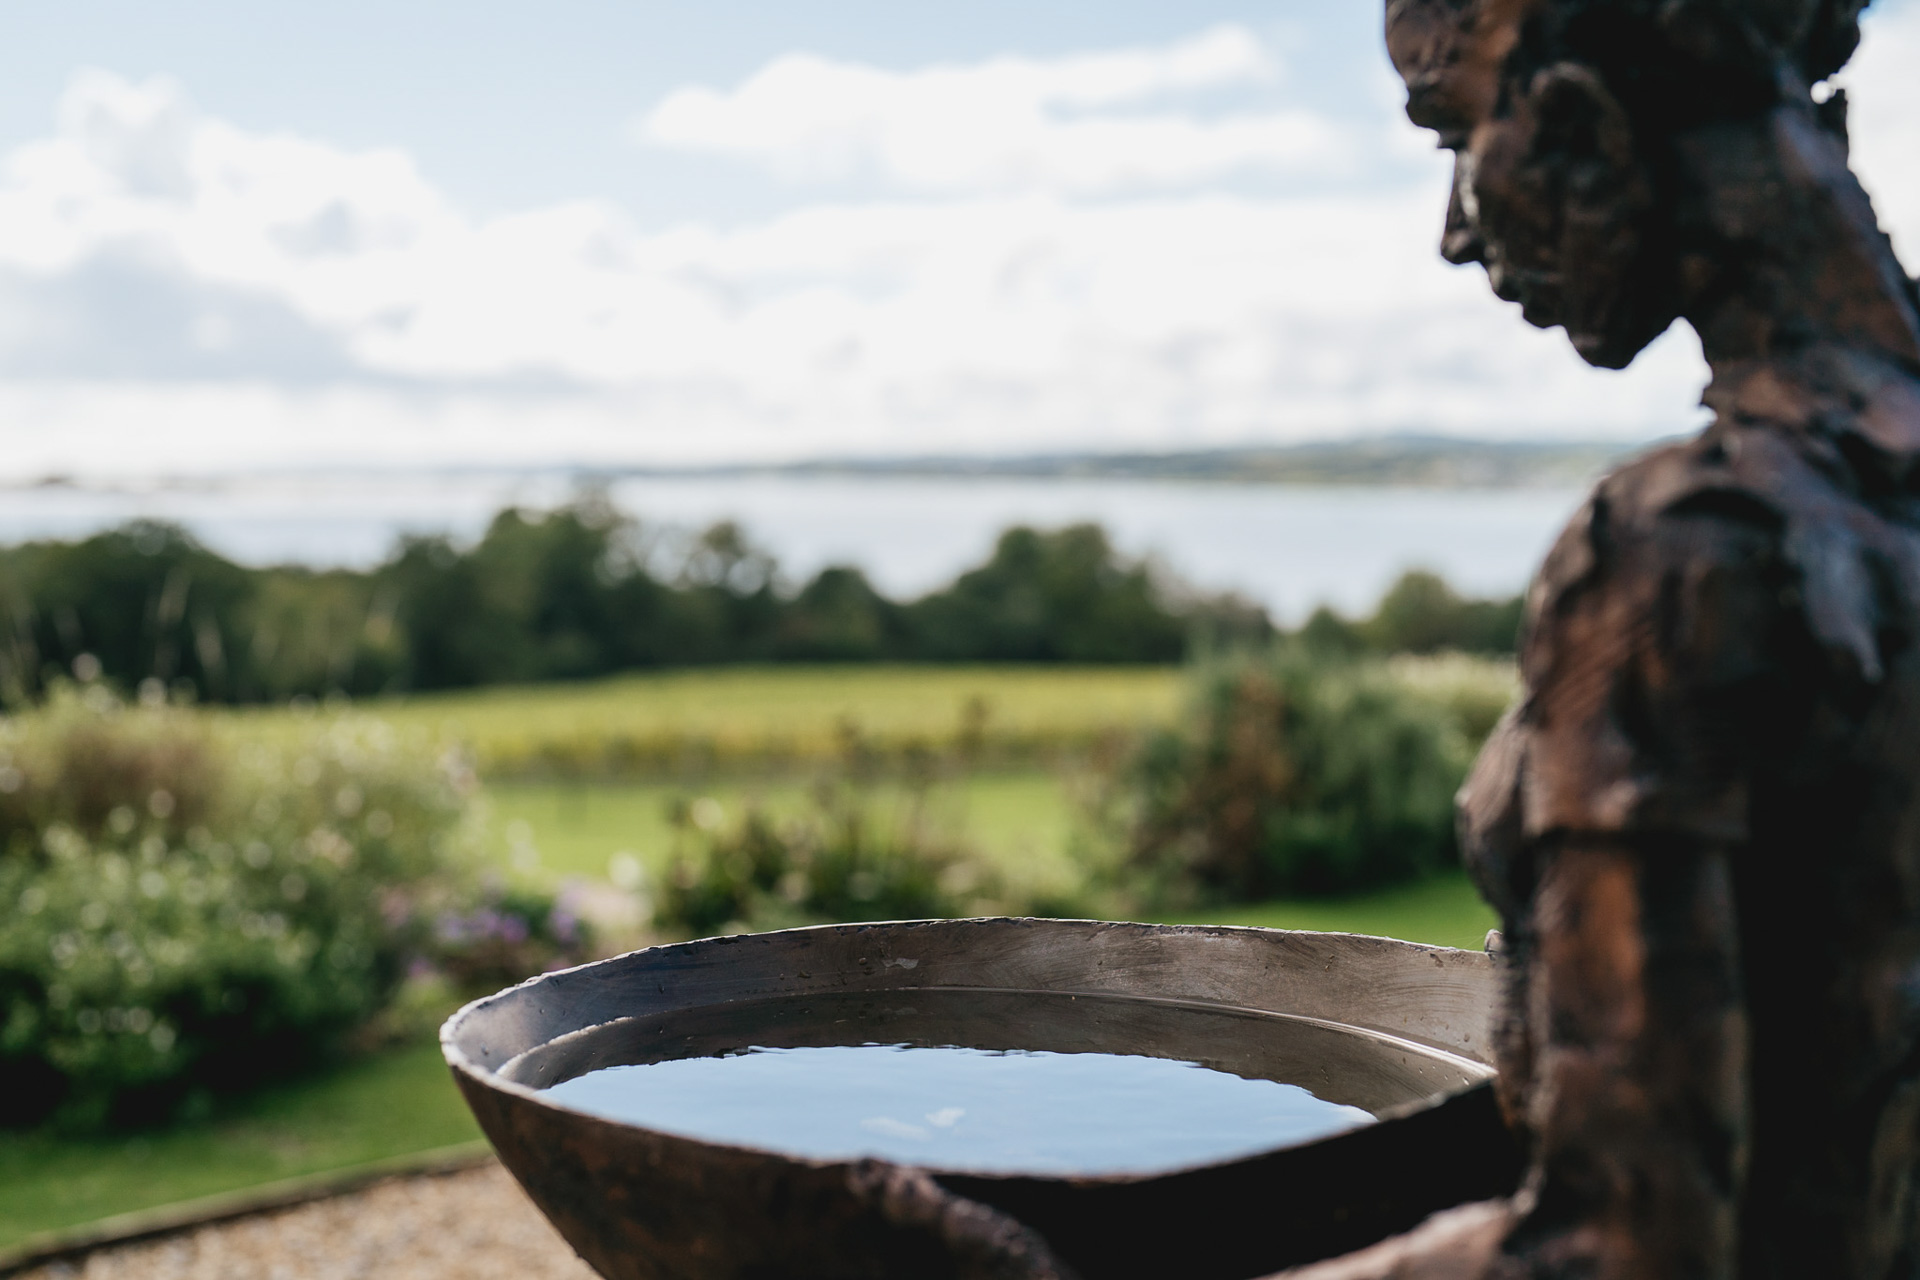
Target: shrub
<point>1295,774</point>
<point>195,909</point>
<point>1476,692</point>
<point>504,934</point>
<point>848,856</point>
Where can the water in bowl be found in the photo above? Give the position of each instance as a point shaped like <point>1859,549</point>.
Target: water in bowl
<point>978,1110</point>
<point>987,1082</point>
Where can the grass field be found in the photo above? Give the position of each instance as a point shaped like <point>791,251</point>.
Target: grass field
<point>404,1101</point>
<point>1446,911</point>
<point>730,721</point>
<point>1022,820</point>
<point>394,1104</point>
<point>696,722</point>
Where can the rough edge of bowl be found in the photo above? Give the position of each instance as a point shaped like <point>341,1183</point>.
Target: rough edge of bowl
<point>487,1077</point>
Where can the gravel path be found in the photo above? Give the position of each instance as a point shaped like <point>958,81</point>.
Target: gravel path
<point>475,1225</point>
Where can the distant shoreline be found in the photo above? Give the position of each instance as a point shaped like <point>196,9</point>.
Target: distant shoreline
<point>1424,462</point>
<point>1401,462</point>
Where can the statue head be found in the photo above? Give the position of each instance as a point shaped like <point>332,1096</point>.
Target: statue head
<point>1563,116</point>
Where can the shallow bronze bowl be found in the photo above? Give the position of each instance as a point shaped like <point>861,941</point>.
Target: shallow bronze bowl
<point>1396,1028</point>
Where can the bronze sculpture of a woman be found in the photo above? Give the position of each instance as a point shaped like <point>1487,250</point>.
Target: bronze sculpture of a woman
<point>1702,823</point>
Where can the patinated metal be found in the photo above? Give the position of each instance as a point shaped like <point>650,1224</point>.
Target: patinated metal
<point>1702,822</point>
<point>645,1205</point>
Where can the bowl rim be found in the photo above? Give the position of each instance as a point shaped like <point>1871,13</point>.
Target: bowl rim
<point>461,1063</point>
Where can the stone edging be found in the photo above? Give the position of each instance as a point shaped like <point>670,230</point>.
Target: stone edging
<point>149,1224</point>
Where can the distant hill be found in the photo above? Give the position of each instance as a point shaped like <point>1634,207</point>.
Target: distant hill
<point>1423,461</point>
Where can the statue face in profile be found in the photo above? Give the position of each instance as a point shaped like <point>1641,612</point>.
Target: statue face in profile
<point>1549,192</point>
<point>1586,133</point>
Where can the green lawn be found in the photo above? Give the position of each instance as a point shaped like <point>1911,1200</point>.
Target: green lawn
<point>693,722</point>
<point>395,1104</point>
<point>698,723</point>
<point>1023,820</point>
<point>1446,911</point>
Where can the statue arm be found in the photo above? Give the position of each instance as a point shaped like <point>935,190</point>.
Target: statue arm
<point>1636,1102</point>
<point>1662,637</point>
<point>1603,820</point>
<point>1636,1105</point>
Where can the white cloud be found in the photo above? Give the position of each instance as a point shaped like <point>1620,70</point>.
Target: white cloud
<point>1885,120</point>
<point>1091,123</point>
<point>180,293</point>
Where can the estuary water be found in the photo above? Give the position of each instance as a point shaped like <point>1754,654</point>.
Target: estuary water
<point>1286,547</point>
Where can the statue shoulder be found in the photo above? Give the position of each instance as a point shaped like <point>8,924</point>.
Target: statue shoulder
<point>1734,557</point>
<point>1692,507</point>
<point>1662,632</point>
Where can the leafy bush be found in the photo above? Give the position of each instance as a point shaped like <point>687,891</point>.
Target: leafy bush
<point>848,856</point>
<point>505,934</point>
<point>1474,691</point>
<point>195,908</point>
<point>1295,775</point>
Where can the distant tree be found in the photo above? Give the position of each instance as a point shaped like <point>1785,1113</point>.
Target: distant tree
<point>308,631</point>
<point>578,591</point>
<point>538,598</point>
<point>839,617</point>
<point>549,576</point>
<point>454,634</point>
<point>1327,634</point>
<point>1422,614</point>
<point>144,600</point>
<point>1051,596</point>
<point>731,585</point>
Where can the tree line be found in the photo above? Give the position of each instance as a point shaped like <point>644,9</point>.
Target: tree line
<point>585,590</point>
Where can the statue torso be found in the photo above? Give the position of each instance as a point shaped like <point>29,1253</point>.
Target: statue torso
<point>1723,651</point>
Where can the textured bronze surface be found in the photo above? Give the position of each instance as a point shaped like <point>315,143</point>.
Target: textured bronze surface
<point>1702,823</point>
<point>646,1205</point>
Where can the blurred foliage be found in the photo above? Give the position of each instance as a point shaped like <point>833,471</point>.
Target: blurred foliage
<point>1419,614</point>
<point>697,723</point>
<point>1299,773</point>
<point>849,854</point>
<point>1474,691</point>
<point>194,908</point>
<point>1065,596</point>
<point>580,591</point>
<point>1290,773</point>
<point>585,590</point>
<point>502,935</point>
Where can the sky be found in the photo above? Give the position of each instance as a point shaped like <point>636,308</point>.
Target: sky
<point>241,236</point>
